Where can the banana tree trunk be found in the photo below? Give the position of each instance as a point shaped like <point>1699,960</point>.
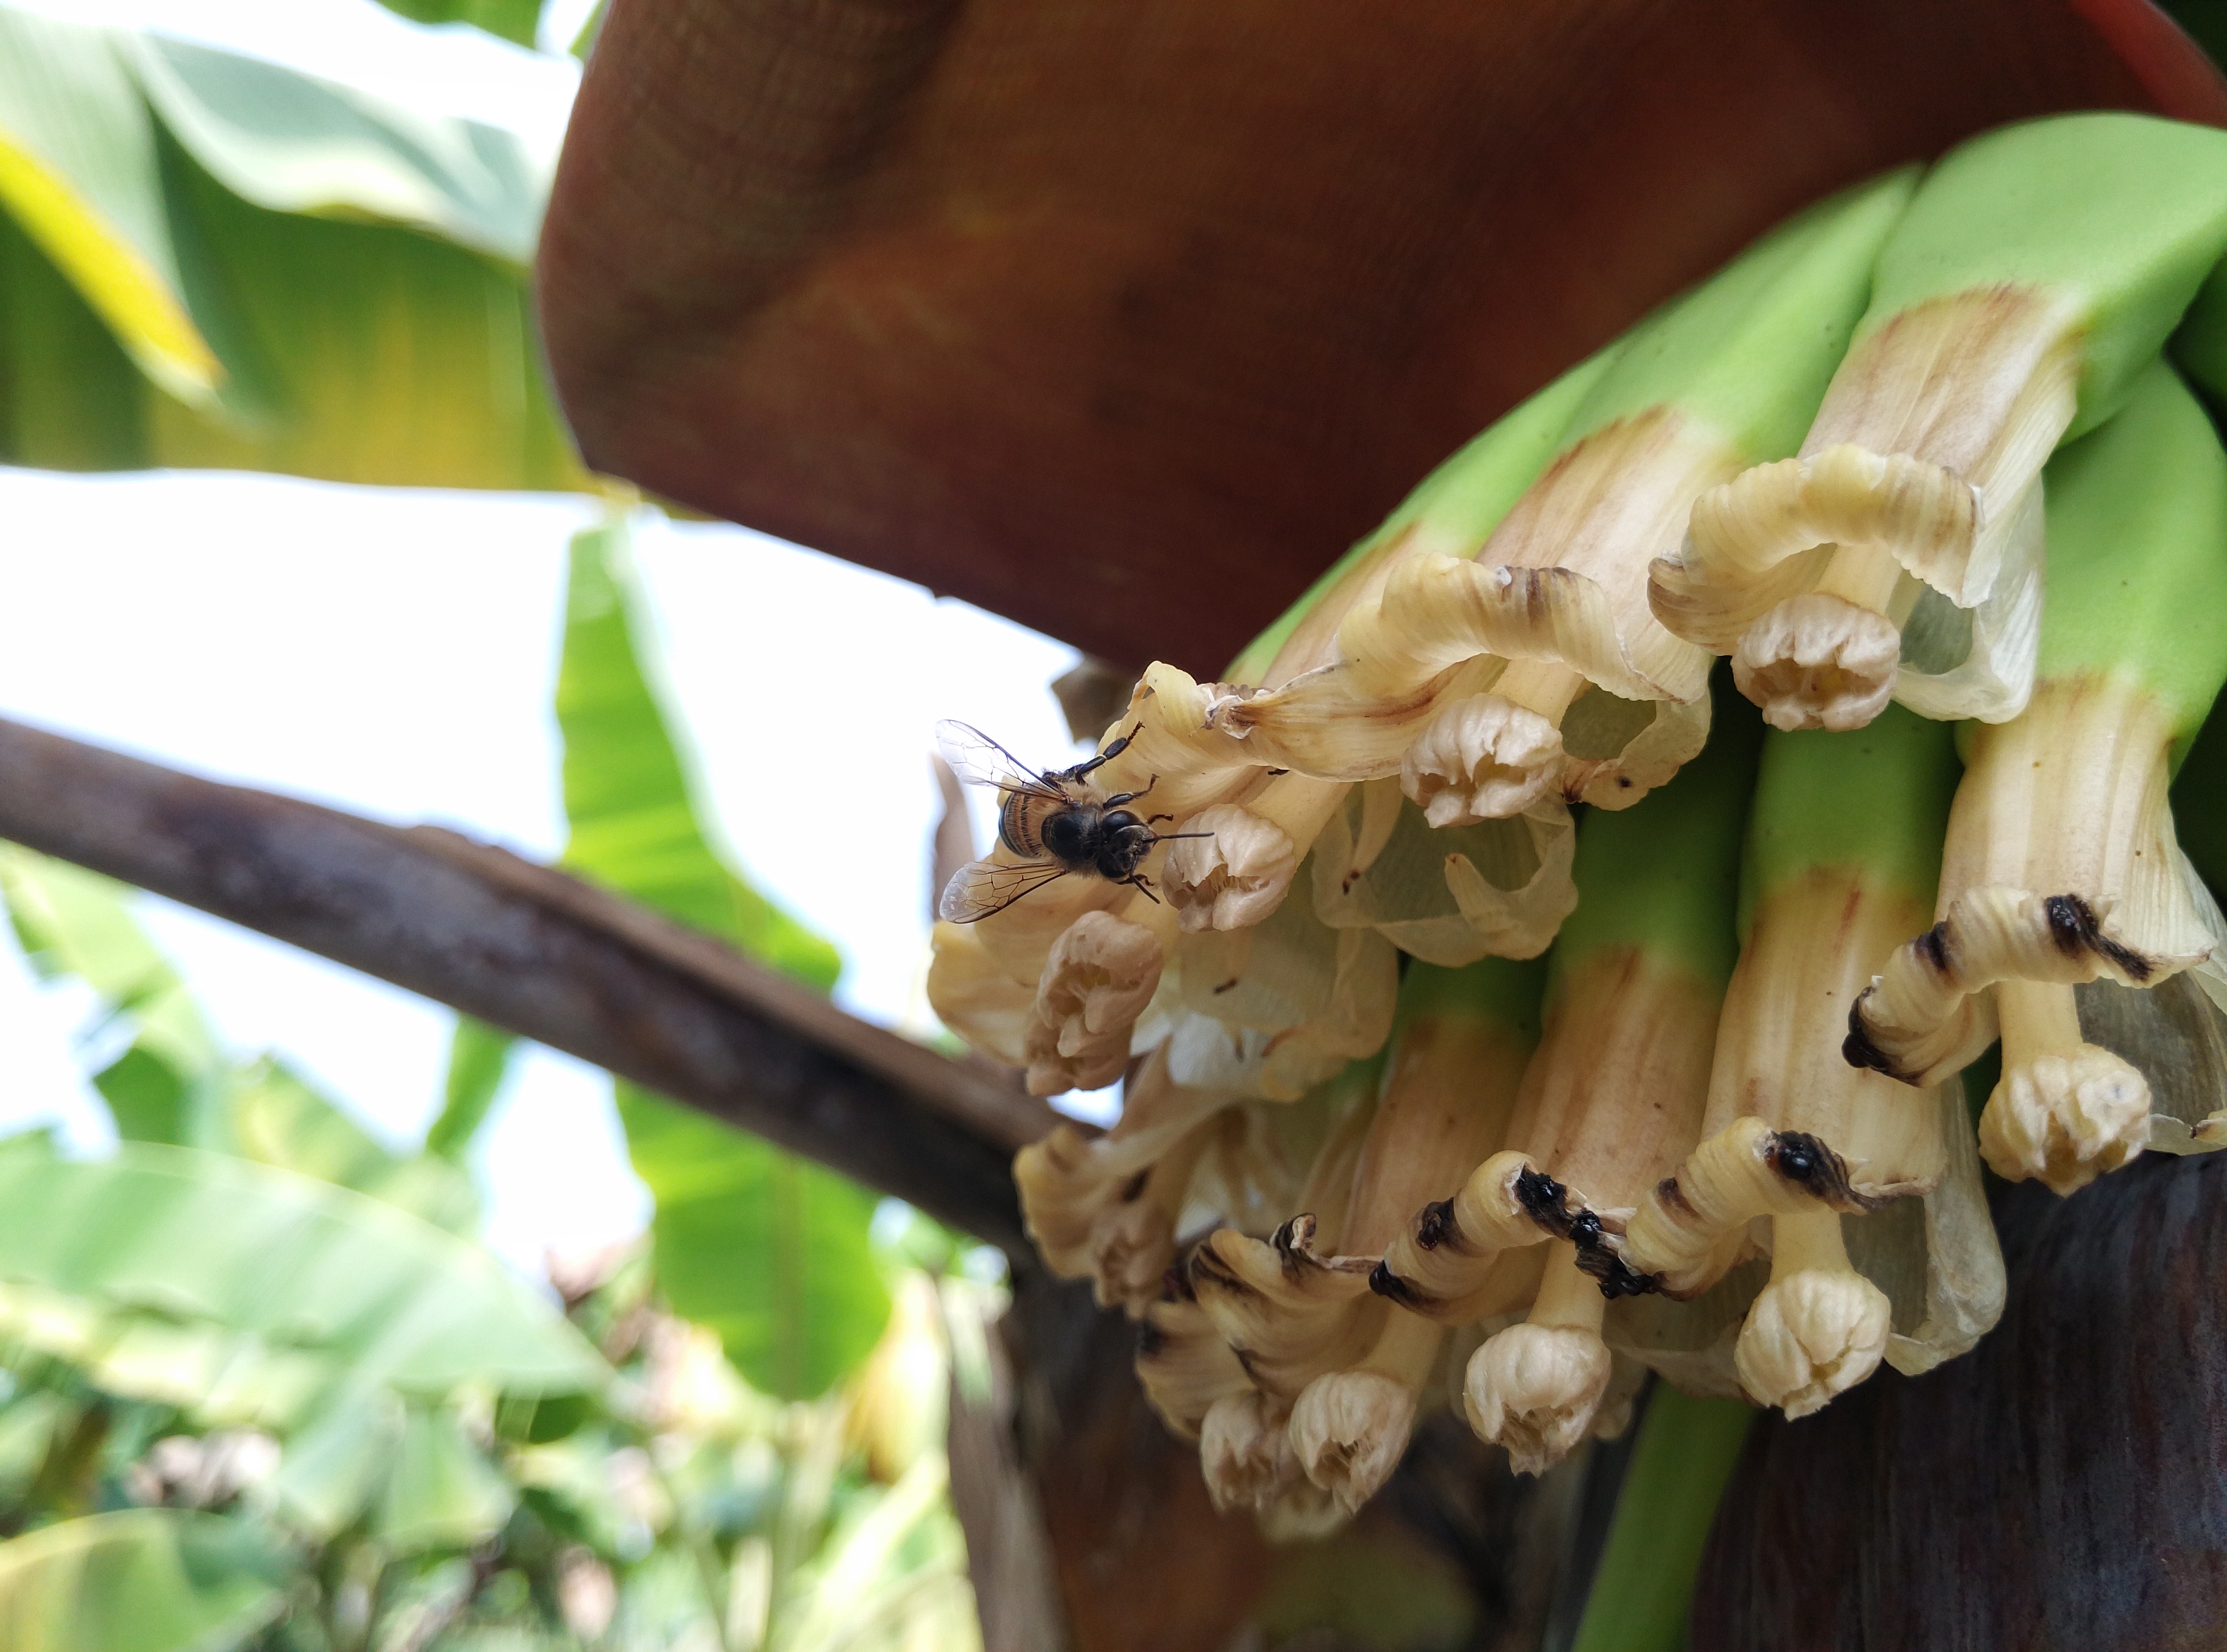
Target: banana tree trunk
<point>2062,1486</point>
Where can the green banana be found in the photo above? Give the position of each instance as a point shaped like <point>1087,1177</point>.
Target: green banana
<point>2061,865</point>
<point>2039,269</point>
<point>1843,853</point>
<point>1612,1102</point>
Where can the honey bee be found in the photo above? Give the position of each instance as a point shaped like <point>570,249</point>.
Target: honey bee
<point>1056,821</point>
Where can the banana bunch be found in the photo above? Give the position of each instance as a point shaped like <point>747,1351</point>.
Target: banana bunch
<point>1921,463</point>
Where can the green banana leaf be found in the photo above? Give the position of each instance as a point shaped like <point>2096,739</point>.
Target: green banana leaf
<point>209,260</point>
<point>442,1492</point>
<point>769,1251</point>
<point>514,20</point>
<point>139,1580</point>
<point>212,1248</point>
<point>74,922</point>
<point>276,1117</point>
<point>173,1083</point>
<point>479,1060</point>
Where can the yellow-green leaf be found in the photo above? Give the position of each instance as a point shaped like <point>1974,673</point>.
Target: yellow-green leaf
<point>139,1580</point>
<point>78,171</point>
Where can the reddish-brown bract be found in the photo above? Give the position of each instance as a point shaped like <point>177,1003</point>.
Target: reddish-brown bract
<point>1124,319</point>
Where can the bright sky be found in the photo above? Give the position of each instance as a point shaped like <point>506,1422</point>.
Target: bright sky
<point>393,653</point>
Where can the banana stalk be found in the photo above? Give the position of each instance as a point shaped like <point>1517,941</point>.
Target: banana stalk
<point>1533,669</point>
<point>2061,866</point>
<point>1842,857</point>
<point>2039,269</point>
<point>1644,1581</point>
<point>1611,1102</point>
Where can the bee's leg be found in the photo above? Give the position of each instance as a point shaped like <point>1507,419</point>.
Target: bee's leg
<point>1106,755</point>
<point>1144,885</point>
<point>1131,797</point>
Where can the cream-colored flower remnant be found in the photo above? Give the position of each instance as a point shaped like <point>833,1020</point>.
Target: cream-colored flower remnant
<point>1234,875</point>
<point>1535,1387</point>
<point>1819,1328</point>
<point>1462,677</point>
<point>1101,973</point>
<point>1106,1209</point>
<point>2061,868</point>
<point>1917,487</point>
<point>1350,1428</point>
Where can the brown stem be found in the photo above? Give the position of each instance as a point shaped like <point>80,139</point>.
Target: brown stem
<point>547,957</point>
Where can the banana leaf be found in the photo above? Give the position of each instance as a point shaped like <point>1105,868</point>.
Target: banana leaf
<point>514,20</point>
<point>173,1083</point>
<point>769,1251</point>
<point>74,922</point>
<point>139,1580</point>
<point>209,260</point>
<point>205,1243</point>
<point>479,1062</point>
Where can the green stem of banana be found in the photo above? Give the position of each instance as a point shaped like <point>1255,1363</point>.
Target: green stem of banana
<point>1644,1583</point>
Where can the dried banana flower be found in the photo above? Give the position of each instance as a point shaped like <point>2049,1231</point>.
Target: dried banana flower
<point>2061,865</point>
<point>1350,1428</point>
<point>1841,856</point>
<point>1106,1209</point>
<point>1298,1305</point>
<point>1270,1159</point>
<point>1279,1007</point>
<point>1449,895</point>
<point>1235,861</point>
<point>1535,667</point>
<point>974,997</point>
<point>2037,271</point>
<point>1099,975</point>
<point>1612,1102</point>
<point>1534,1387</point>
<point>1245,1451</point>
<point>1181,1362</point>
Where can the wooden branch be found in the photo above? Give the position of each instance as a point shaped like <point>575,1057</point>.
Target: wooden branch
<point>547,957</point>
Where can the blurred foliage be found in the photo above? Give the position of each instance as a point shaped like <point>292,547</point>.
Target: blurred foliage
<point>259,1386</point>
<point>252,1395</point>
<point>768,1249</point>
<point>209,260</point>
<point>514,20</point>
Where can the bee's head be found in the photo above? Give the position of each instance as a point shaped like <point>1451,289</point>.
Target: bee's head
<point>1123,841</point>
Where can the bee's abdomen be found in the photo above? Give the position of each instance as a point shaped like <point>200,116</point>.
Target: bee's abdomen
<point>1017,825</point>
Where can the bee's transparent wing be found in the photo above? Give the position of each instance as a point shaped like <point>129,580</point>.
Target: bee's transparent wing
<point>982,889</point>
<point>979,760</point>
